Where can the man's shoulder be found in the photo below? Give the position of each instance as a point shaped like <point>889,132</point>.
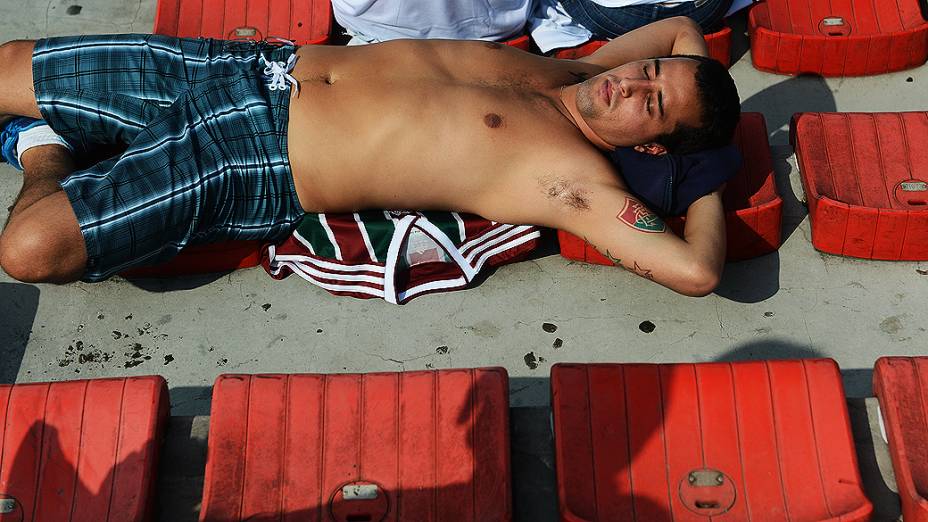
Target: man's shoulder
<point>575,158</point>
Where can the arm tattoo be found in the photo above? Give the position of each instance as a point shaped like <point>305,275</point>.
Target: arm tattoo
<point>641,271</point>
<point>637,216</point>
<point>615,261</point>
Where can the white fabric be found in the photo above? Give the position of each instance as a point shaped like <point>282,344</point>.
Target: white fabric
<point>279,73</point>
<point>38,135</point>
<point>382,20</point>
<point>552,28</point>
<point>372,21</point>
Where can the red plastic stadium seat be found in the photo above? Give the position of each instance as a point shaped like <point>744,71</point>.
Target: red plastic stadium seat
<point>520,42</point>
<point>350,447</point>
<point>866,182</point>
<point>302,21</point>
<point>753,209</point>
<point>719,44</point>
<point>80,450</point>
<point>901,384</point>
<point>743,441</point>
<point>204,259</point>
<point>837,38</point>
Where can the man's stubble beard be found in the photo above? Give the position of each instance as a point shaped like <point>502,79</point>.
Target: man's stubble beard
<point>585,101</point>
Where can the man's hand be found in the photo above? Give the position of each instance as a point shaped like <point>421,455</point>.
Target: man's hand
<point>678,35</point>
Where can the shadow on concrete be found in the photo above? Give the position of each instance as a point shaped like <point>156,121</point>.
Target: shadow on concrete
<point>190,401</point>
<point>873,459</point>
<point>751,280</point>
<point>779,102</point>
<point>857,381</point>
<point>771,349</point>
<point>534,484</point>
<point>740,41</point>
<point>18,306</point>
<point>174,283</point>
<point>180,473</point>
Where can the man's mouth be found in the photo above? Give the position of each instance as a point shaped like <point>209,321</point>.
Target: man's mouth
<point>607,92</point>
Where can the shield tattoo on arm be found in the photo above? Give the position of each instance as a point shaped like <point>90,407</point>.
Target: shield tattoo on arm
<point>637,216</point>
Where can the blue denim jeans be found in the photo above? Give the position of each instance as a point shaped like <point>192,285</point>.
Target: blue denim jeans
<point>609,22</point>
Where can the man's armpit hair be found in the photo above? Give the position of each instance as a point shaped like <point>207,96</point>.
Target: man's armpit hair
<point>564,192</point>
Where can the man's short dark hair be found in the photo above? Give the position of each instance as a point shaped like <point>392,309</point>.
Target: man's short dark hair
<point>720,108</point>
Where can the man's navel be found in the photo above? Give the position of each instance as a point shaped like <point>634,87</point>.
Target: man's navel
<point>326,78</point>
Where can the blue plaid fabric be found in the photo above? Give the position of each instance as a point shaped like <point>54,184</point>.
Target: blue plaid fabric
<point>205,143</point>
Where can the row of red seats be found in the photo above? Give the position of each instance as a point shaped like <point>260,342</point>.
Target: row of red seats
<point>759,440</point>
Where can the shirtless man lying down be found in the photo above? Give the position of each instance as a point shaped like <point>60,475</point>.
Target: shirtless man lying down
<point>236,140</point>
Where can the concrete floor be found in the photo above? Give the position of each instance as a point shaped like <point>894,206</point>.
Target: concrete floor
<point>793,303</point>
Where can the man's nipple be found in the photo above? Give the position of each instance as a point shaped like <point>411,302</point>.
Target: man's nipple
<point>493,120</point>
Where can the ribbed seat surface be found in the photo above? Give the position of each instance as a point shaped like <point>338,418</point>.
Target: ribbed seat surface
<point>719,44</point>
<point>301,21</point>
<point>81,450</point>
<point>350,447</point>
<point>753,208</point>
<point>901,384</point>
<point>866,181</point>
<point>749,441</point>
<point>204,259</point>
<point>837,38</point>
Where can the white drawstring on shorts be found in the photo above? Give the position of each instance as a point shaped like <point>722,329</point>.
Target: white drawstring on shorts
<point>279,73</point>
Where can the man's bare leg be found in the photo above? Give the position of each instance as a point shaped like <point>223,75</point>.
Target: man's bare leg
<point>17,94</point>
<point>42,241</point>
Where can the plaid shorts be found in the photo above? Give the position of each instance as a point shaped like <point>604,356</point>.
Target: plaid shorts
<point>203,143</point>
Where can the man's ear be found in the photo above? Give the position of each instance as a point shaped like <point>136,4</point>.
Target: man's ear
<point>654,149</point>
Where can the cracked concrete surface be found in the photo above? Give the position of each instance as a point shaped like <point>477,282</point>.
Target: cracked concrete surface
<point>793,303</point>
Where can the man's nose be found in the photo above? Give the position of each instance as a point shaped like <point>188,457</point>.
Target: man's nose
<point>629,86</point>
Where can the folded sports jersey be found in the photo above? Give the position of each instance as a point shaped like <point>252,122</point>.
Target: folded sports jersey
<point>670,183</point>
<point>396,255</point>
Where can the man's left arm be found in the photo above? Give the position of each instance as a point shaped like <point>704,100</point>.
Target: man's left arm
<point>678,35</point>
<point>621,227</point>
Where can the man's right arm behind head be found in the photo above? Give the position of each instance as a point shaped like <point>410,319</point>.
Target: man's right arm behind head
<point>678,35</point>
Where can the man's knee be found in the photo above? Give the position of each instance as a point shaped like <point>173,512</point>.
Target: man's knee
<point>37,253</point>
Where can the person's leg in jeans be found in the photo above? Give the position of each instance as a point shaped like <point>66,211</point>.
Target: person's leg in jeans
<point>610,22</point>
